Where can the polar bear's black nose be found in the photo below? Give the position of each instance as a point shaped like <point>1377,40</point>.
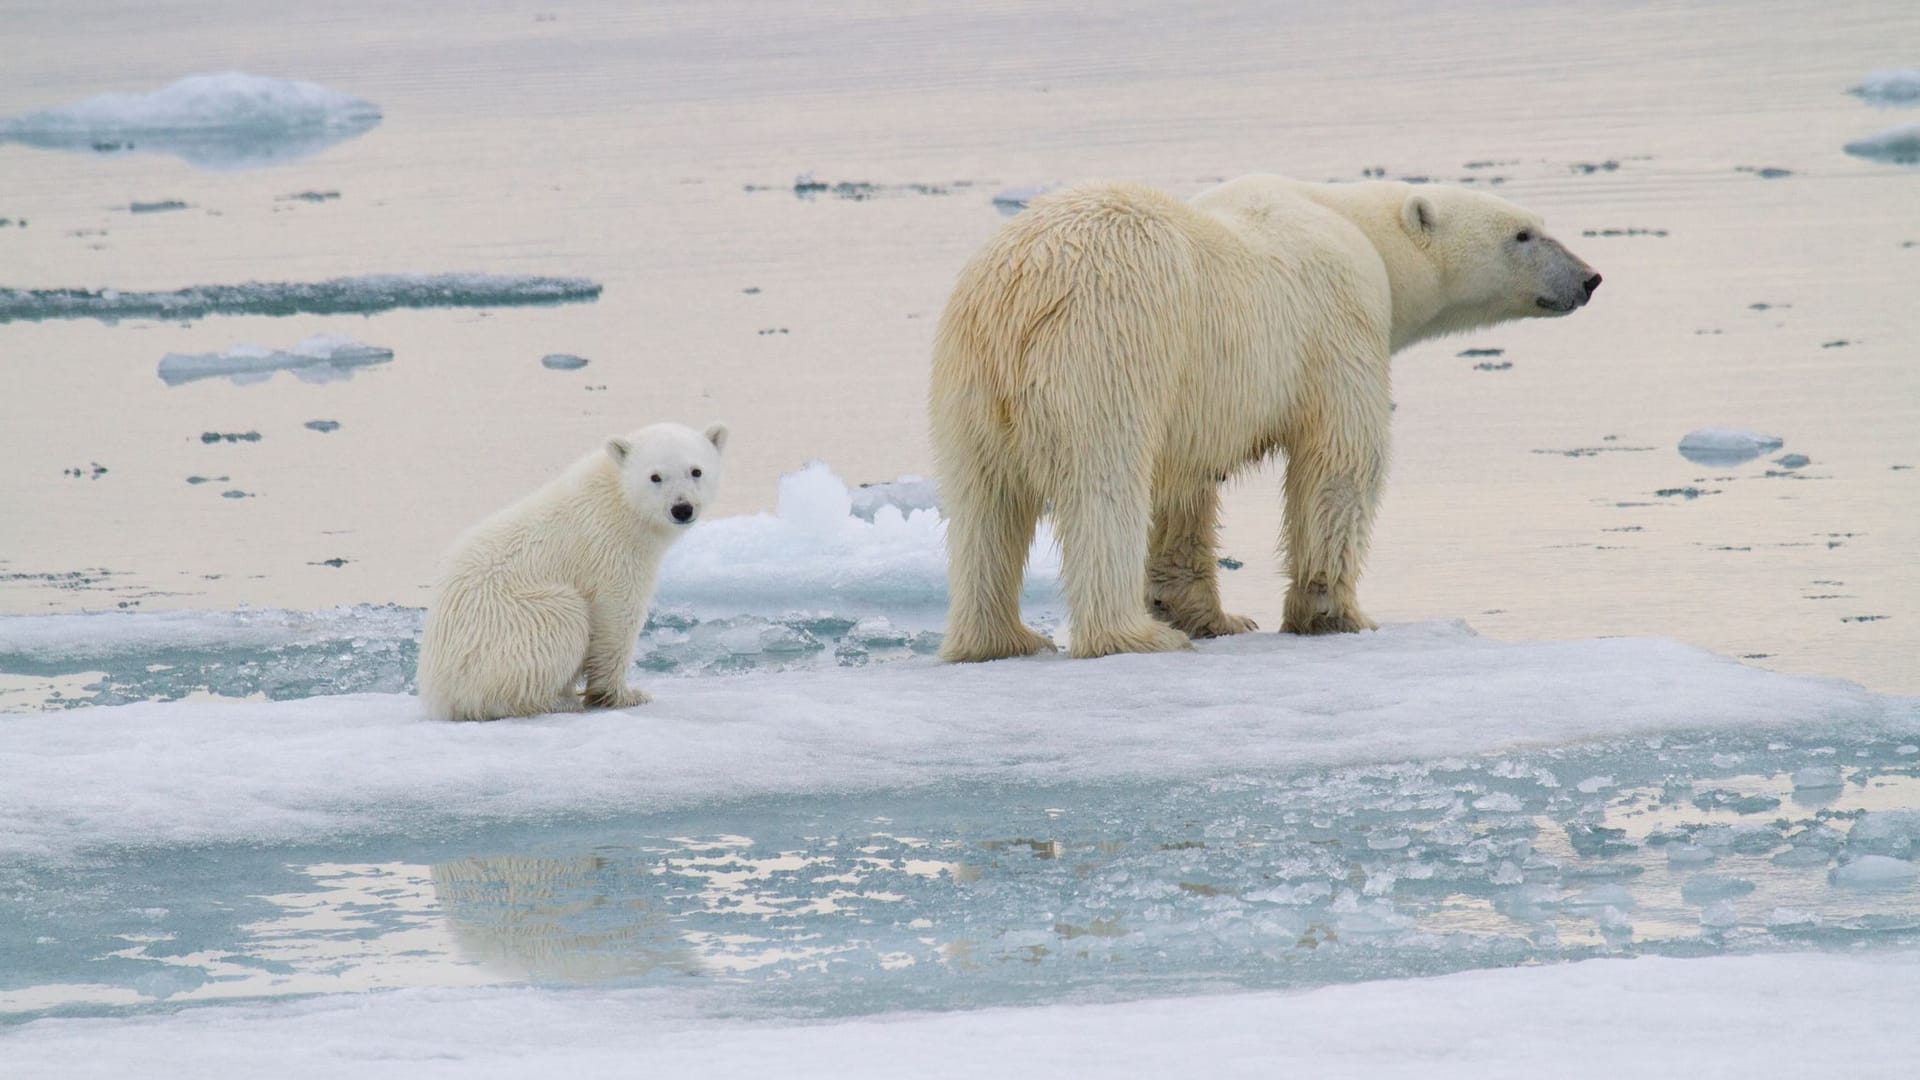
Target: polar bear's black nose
<point>1591,284</point>
<point>682,512</point>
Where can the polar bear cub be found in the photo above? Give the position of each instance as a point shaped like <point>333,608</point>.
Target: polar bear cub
<point>557,585</point>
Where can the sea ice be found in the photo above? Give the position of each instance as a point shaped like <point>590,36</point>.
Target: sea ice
<point>905,494</point>
<point>1894,86</point>
<point>1886,832</point>
<point>363,294</point>
<point>219,121</point>
<point>1725,446</point>
<point>1899,145</point>
<point>1872,871</point>
<point>563,362</point>
<point>1013,200</point>
<point>318,359</point>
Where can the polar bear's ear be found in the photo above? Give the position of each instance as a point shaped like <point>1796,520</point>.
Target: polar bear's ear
<point>618,449</point>
<point>717,435</point>
<point>1417,215</point>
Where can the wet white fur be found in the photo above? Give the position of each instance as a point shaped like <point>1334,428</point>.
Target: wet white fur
<point>1117,353</point>
<point>557,585</point>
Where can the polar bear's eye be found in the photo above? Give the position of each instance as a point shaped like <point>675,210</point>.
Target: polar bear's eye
<point>656,478</point>
<point>696,474</point>
<point>1523,236</point>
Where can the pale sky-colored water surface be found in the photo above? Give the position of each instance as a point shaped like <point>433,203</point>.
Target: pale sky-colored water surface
<point>620,141</point>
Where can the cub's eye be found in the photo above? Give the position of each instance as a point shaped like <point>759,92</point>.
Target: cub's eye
<point>656,478</point>
<point>1523,236</point>
<point>696,474</point>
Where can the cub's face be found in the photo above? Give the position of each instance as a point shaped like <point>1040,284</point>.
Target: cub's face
<point>1497,261</point>
<point>669,472</point>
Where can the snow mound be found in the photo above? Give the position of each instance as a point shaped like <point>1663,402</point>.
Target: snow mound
<point>215,121</point>
<point>826,546</point>
<point>1899,145</point>
<point>192,772</point>
<point>1894,86</point>
<point>1726,446</point>
<point>1834,1015</point>
<point>359,295</point>
<point>318,359</point>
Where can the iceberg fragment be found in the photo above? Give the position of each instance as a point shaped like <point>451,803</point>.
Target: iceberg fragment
<point>1898,145</point>
<point>1726,446</point>
<point>358,295</point>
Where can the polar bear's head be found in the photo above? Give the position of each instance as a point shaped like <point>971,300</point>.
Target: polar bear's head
<point>1495,261</point>
<point>669,472</point>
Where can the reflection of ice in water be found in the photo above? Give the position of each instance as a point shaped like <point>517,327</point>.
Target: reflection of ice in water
<point>546,919</point>
<point>1726,446</point>
<point>223,121</point>
<point>321,358</point>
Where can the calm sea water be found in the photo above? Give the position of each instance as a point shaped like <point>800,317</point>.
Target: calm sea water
<point>623,142</point>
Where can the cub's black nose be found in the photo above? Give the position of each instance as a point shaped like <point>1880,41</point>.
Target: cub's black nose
<point>1591,284</point>
<point>682,512</point>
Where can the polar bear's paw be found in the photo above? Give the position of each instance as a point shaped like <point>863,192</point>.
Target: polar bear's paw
<point>625,697</point>
<point>1315,611</point>
<point>1146,635</point>
<point>963,648</point>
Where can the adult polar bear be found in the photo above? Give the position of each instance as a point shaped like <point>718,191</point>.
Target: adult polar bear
<point>1119,352</point>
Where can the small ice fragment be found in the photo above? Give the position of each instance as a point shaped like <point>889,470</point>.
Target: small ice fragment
<point>1786,918</point>
<point>563,362</point>
<point>1688,855</point>
<point>323,426</point>
<point>1594,783</point>
<point>1014,200</point>
<point>1872,871</point>
<point>1816,776</point>
<point>905,494</point>
<point>1506,874</point>
<point>1379,841</point>
<point>1898,145</point>
<point>1613,919</point>
<point>1907,750</point>
<point>1705,888</point>
<point>158,206</point>
<point>1889,87</point>
<point>1499,802</point>
<point>1793,461</point>
<point>1726,446</point>
<point>1618,896</point>
<point>1886,832</point>
<point>1719,915</point>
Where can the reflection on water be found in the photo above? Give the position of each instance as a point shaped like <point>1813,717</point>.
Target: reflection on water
<point>946,898</point>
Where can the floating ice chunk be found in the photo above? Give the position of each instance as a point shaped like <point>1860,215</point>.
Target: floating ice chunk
<point>1706,888</point>
<point>1894,86</point>
<point>817,549</point>
<point>1725,446</point>
<point>321,358</point>
<point>1499,802</point>
<point>1900,145</point>
<point>359,295</point>
<point>1886,832</point>
<point>1872,871</point>
<point>1786,918</point>
<point>563,362</point>
<point>221,121</point>
<point>906,494</point>
<point>1816,777</point>
<point>1688,855</point>
<point>1617,896</point>
<point>1719,915</point>
<point>1014,200</point>
<point>1594,784</point>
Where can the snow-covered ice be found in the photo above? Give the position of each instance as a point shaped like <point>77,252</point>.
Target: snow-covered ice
<point>827,546</point>
<point>361,294</point>
<point>1893,86</point>
<point>214,121</point>
<point>1726,446</point>
<point>318,359</point>
<point>1899,145</point>
<point>1748,1016</point>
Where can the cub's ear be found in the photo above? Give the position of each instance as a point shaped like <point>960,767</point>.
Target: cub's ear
<point>717,435</point>
<point>1418,216</point>
<point>618,449</point>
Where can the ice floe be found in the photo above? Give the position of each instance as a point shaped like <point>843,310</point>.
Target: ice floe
<point>321,358</point>
<point>227,120</point>
<point>1726,446</point>
<point>1899,145</point>
<point>361,294</point>
<point>1720,1016</point>
<point>190,772</point>
<point>1893,86</point>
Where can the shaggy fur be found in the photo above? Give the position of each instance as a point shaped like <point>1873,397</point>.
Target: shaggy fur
<point>556,586</point>
<point>1118,353</point>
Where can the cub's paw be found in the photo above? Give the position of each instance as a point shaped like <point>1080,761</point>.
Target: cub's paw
<point>625,697</point>
<point>1218,624</point>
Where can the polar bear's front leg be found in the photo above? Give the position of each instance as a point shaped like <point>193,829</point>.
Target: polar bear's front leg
<point>1336,466</point>
<point>615,633</point>
<point>1183,582</point>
